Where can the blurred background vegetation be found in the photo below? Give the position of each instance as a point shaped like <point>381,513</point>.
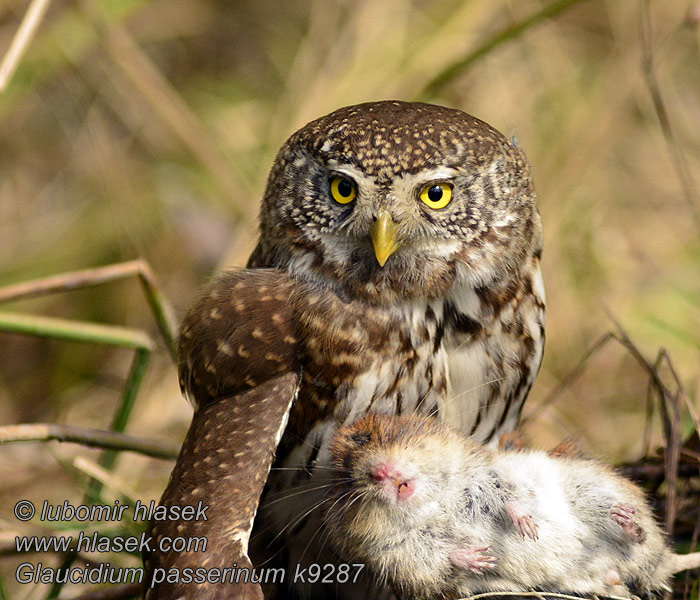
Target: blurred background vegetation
<point>145,128</point>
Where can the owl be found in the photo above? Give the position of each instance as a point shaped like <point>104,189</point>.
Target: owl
<point>400,250</point>
<point>421,221</point>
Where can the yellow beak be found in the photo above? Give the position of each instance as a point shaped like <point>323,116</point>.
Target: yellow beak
<point>384,233</point>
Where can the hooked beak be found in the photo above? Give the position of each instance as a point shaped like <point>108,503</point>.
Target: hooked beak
<point>384,233</point>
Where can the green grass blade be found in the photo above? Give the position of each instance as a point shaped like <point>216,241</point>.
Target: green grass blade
<point>3,589</point>
<point>66,563</point>
<point>75,331</point>
<point>161,308</point>
<point>121,417</point>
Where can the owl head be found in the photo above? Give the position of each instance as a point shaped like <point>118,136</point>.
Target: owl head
<point>389,200</point>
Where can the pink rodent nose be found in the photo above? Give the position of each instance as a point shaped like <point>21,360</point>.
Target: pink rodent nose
<point>393,483</point>
<point>384,470</point>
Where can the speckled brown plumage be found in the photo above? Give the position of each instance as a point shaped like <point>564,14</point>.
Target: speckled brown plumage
<point>239,334</point>
<point>452,322</point>
<point>243,375</point>
<point>227,477</point>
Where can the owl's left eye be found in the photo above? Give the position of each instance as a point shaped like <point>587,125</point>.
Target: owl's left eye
<point>437,195</point>
<point>343,190</point>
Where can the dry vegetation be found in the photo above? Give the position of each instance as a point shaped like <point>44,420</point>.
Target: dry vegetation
<point>145,128</point>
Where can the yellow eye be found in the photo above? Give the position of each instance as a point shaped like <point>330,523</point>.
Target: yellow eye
<point>343,190</point>
<point>436,196</point>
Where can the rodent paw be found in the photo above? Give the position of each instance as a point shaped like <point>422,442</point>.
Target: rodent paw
<point>474,558</point>
<point>623,514</point>
<point>525,522</point>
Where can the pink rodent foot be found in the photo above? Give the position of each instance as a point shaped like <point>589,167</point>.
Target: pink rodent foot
<point>525,522</point>
<point>474,558</point>
<point>623,514</point>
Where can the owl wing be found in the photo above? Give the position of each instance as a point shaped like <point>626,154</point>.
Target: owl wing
<point>239,367</point>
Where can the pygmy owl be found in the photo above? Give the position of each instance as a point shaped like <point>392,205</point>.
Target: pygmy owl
<point>407,247</point>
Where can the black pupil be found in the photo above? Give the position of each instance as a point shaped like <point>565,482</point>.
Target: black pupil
<point>435,193</point>
<point>345,188</point>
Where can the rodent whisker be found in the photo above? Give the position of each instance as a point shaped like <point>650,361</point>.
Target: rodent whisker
<point>351,492</point>
<point>324,500</point>
<point>304,468</point>
<point>338,499</point>
<point>304,441</point>
<point>346,508</point>
<point>309,488</point>
<point>293,523</point>
<point>435,411</point>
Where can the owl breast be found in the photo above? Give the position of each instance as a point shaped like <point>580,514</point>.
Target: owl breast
<point>358,358</point>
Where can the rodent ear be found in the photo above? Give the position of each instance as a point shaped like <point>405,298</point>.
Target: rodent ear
<point>361,438</point>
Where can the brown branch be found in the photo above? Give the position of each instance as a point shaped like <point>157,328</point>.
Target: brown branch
<point>43,432</point>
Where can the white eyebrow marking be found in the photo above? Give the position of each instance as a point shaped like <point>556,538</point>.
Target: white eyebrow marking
<point>441,172</point>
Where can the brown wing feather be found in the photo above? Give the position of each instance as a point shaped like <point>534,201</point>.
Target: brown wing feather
<point>239,366</point>
<point>240,333</point>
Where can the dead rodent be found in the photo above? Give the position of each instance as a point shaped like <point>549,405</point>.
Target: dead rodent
<point>434,514</point>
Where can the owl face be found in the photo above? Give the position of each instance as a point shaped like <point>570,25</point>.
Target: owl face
<point>395,199</point>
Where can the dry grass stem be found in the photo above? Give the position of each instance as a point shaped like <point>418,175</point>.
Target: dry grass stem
<point>170,107</point>
<point>690,192</point>
<point>20,42</point>
<point>539,596</point>
<point>160,306</point>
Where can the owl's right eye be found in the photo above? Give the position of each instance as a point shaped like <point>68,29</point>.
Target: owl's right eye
<point>343,191</point>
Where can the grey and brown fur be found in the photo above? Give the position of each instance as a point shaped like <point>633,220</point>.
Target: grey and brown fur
<point>475,520</point>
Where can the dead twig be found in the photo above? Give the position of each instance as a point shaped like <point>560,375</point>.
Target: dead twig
<point>669,406</point>
<point>654,470</point>
<point>97,438</point>
<point>669,403</point>
<point>539,595</point>
<point>571,376</point>
<point>681,390</point>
